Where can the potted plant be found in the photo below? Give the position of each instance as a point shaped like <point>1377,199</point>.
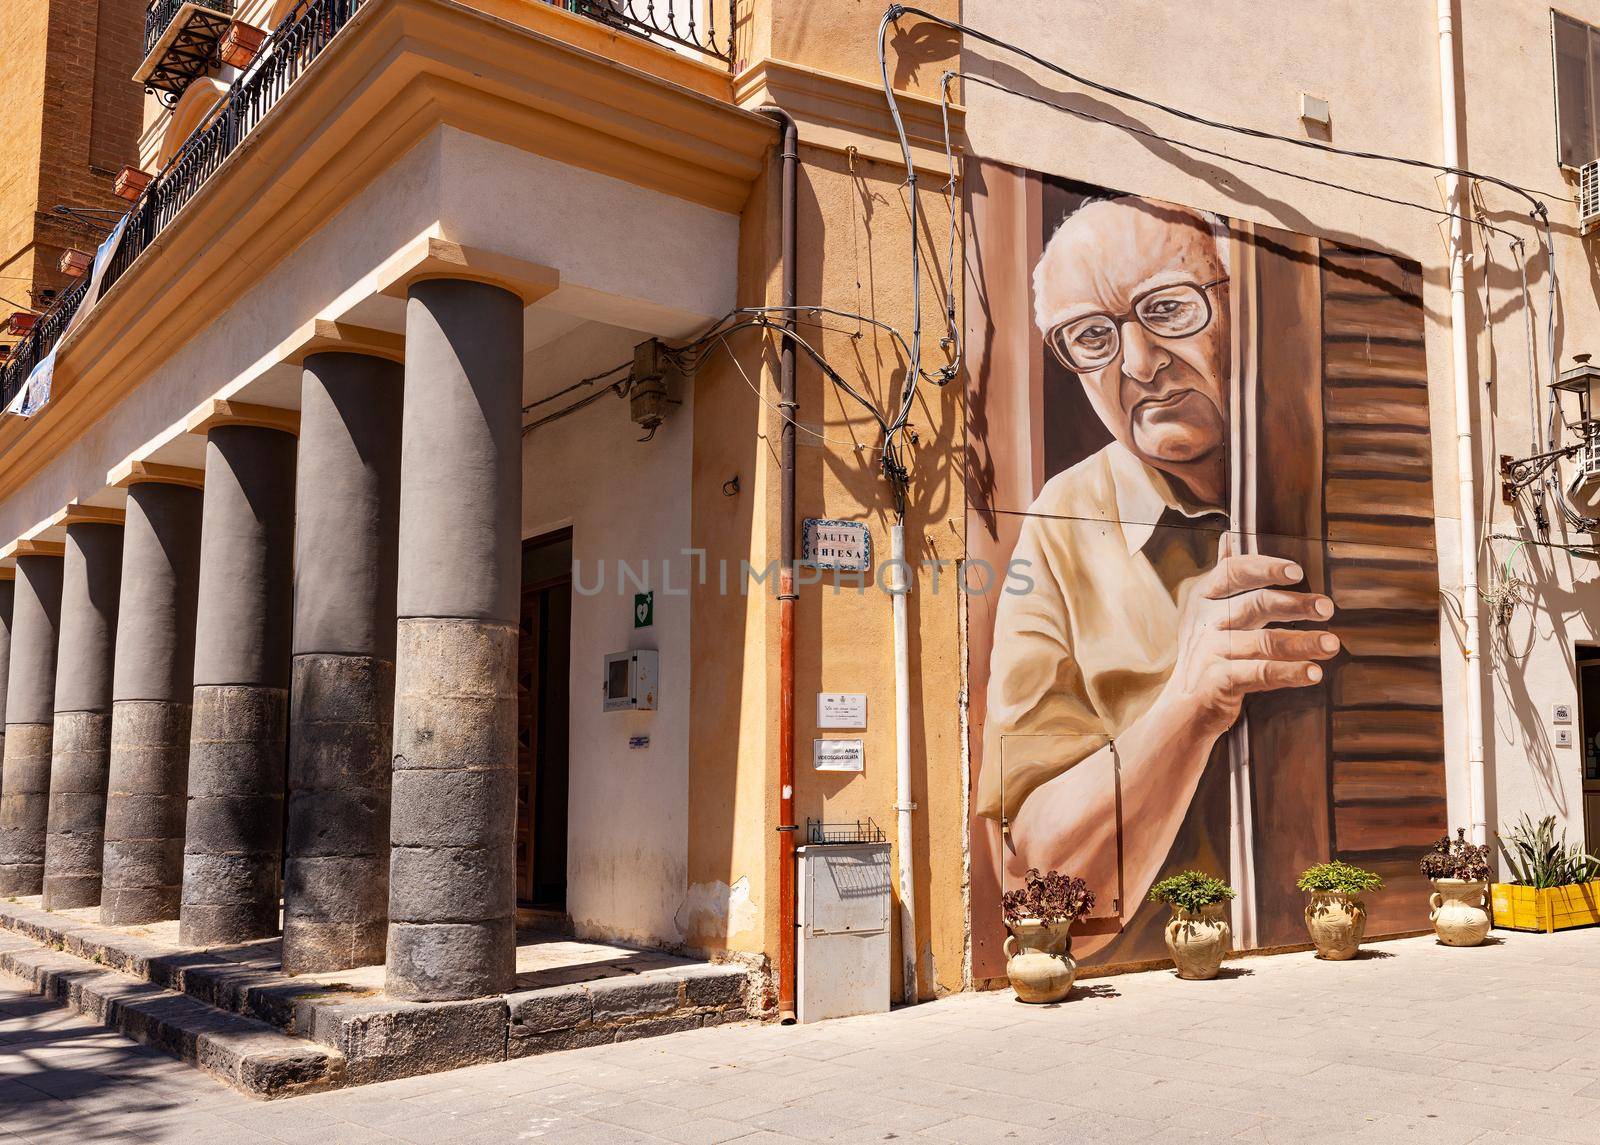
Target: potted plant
<point>1459,871</point>
<point>1039,916</point>
<point>1335,914</point>
<point>74,263</point>
<point>1197,936</point>
<point>130,183</point>
<point>1556,886</point>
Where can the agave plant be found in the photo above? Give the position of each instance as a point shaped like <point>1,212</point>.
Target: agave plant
<point>1540,857</point>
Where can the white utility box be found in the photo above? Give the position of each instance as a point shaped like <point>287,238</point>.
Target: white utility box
<point>843,943</point>
<point>630,681</point>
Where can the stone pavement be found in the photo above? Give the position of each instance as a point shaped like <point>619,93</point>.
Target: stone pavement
<point>1413,1042</point>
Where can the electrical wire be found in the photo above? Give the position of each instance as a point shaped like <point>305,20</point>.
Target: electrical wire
<point>578,385</point>
<point>1146,133</point>
<point>895,11</point>
<point>775,408</point>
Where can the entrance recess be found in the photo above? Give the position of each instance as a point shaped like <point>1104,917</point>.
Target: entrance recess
<point>544,668</point>
<point>1589,741</point>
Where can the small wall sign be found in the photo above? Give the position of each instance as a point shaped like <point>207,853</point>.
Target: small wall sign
<point>1561,713</point>
<point>644,609</point>
<point>845,545</point>
<point>838,755</point>
<point>841,710</point>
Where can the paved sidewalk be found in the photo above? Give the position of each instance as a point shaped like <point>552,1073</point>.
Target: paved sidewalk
<point>1413,1042</point>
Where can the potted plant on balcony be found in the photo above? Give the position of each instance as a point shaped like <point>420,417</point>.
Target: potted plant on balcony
<point>1556,885</point>
<point>240,44</point>
<point>130,183</point>
<point>75,262</point>
<point>1039,916</point>
<point>1197,936</point>
<point>1459,871</point>
<point>1335,914</point>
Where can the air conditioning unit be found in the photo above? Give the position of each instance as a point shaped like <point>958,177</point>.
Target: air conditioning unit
<point>1588,197</point>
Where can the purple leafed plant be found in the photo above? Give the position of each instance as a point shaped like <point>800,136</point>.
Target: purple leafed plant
<point>1456,859</point>
<point>1050,898</point>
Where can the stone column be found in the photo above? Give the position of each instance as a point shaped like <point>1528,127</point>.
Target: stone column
<point>233,839</point>
<point>80,755</point>
<point>341,711</point>
<point>30,714</point>
<point>8,594</point>
<point>152,689</point>
<point>452,896</point>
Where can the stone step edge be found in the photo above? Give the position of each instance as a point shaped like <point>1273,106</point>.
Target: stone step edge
<point>214,979</point>
<point>382,1038</point>
<point>253,1057</point>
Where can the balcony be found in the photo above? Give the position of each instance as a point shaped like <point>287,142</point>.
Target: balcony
<point>283,58</point>
<point>180,43</point>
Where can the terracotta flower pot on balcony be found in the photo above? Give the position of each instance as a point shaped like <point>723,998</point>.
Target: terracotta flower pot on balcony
<point>76,262</point>
<point>240,44</point>
<point>131,183</point>
<point>21,322</point>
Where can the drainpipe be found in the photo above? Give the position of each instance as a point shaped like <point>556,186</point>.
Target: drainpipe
<point>898,577</point>
<point>787,407</point>
<point>1466,455</point>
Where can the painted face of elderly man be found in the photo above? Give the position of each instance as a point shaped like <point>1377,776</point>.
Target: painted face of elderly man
<point>1146,628</point>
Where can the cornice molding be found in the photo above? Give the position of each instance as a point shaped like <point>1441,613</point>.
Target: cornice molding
<point>400,69</point>
<point>839,113</point>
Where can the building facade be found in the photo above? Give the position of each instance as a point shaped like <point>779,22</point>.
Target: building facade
<point>64,73</point>
<point>877,468</point>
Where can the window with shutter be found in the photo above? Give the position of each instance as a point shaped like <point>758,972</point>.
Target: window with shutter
<point>1576,50</point>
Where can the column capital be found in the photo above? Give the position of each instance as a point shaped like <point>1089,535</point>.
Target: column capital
<point>222,411</point>
<point>133,472</point>
<point>29,547</point>
<point>326,336</point>
<point>77,513</point>
<point>430,257</point>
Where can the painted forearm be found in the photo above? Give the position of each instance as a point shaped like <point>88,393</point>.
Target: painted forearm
<point>1070,823</point>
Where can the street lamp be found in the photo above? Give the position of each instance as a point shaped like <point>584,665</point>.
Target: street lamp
<point>1583,379</point>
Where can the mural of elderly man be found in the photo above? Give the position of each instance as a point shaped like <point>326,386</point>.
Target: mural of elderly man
<point>1113,682</point>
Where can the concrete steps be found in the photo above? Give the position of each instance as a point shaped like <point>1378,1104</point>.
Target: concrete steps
<point>219,1009</point>
<point>250,1055</point>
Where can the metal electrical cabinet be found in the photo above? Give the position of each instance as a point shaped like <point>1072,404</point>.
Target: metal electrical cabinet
<point>843,944</point>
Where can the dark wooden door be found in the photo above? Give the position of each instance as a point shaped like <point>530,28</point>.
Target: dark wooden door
<point>544,669</point>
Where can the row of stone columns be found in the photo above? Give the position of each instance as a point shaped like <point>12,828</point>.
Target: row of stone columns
<point>348,636</point>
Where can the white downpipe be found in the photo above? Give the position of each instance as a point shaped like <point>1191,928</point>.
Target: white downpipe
<point>1466,455</point>
<point>899,584</point>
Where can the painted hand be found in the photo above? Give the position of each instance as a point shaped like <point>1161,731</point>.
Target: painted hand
<point>1226,649</point>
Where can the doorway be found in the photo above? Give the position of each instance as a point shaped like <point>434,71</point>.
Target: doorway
<point>544,669</point>
<point>1588,660</point>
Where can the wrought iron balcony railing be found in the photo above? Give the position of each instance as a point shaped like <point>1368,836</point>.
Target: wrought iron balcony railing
<point>687,23</point>
<point>28,351</point>
<point>159,15</point>
<point>298,40</point>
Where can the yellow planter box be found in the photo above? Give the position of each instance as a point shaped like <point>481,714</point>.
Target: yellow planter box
<point>1553,908</point>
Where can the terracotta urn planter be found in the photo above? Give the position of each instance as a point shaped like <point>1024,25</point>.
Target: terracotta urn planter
<point>1039,960</point>
<point>1337,923</point>
<point>1460,915</point>
<point>1197,941</point>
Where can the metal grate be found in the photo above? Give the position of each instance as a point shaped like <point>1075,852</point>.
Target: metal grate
<point>159,15</point>
<point>1589,197</point>
<point>859,831</point>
